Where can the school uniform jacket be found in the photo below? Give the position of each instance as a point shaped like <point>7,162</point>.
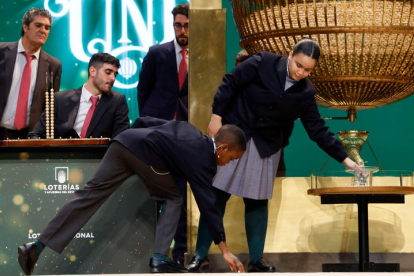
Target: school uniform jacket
<point>252,97</point>
<point>181,149</point>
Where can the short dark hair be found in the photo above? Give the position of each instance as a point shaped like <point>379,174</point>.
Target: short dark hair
<point>233,136</point>
<point>29,16</point>
<point>241,56</point>
<point>181,9</point>
<point>98,59</point>
<point>308,47</point>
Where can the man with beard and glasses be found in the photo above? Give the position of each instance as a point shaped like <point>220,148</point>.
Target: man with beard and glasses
<point>23,68</point>
<point>93,110</point>
<point>163,93</point>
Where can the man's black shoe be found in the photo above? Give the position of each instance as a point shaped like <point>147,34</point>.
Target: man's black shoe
<point>27,257</point>
<point>161,266</point>
<point>197,264</point>
<point>260,266</point>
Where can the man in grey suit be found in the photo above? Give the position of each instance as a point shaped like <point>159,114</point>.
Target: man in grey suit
<point>36,24</point>
<point>157,151</point>
<point>110,116</point>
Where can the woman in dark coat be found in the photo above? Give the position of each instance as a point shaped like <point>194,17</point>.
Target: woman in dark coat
<point>264,95</point>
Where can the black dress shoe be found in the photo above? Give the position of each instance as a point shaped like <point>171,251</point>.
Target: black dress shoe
<point>27,257</point>
<point>161,266</point>
<point>260,266</point>
<point>197,264</point>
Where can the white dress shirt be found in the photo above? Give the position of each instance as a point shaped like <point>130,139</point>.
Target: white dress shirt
<point>9,114</point>
<point>85,104</point>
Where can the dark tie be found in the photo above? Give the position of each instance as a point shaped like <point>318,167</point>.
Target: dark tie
<point>21,110</point>
<point>89,116</point>
<point>182,70</point>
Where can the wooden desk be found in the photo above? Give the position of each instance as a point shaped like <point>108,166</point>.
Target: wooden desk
<point>53,148</point>
<point>362,196</point>
<point>53,142</point>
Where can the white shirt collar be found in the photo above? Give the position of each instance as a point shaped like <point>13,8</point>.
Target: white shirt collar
<point>20,49</point>
<point>287,73</point>
<point>214,144</point>
<point>178,47</point>
<point>86,95</point>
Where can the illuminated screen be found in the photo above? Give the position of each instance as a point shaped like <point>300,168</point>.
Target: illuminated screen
<point>123,28</point>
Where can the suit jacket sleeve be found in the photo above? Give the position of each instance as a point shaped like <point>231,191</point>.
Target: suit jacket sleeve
<point>121,120</point>
<point>146,79</point>
<point>201,186</point>
<point>57,77</point>
<point>39,130</point>
<point>234,82</point>
<point>147,121</point>
<point>320,133</point>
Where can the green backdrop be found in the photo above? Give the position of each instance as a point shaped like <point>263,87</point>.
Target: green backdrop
<point>391,129</point>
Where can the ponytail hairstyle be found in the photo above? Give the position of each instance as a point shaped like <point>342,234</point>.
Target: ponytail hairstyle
<point>308,47</point>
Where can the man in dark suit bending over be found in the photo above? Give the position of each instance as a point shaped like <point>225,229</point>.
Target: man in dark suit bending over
<point>23,68</point>
<point>157,151</point>
<point>93,110</point>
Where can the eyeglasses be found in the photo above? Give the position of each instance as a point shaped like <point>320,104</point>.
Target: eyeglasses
<point>178,26</point>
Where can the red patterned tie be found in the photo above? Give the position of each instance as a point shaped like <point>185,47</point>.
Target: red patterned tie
<point>21,110</point>
<point>89,116</point>
<point>182,70</point>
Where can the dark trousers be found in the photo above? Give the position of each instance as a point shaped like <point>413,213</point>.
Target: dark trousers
<point>180,237</point>
<point>255,216</point>
<point>117,165</point>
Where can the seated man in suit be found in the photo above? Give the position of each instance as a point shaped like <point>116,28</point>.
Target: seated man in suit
<point>91,111</point>
<point>23,68</point>
<point>157,151</point>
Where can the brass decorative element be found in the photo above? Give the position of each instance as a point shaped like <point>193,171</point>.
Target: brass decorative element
<point>205,5</point>
<point>50,108</point>
<point>47,108</point>
<point>207,65</point>
<point>207,62</point>
<point>52,113</point>
<point>353,140</point>
<point>367,45</point>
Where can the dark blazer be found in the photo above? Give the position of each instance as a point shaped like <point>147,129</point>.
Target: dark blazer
<point>180,148</point>
<point>252,97</point>
<point>109,119</point>
<point>47,63</point>
<point>158,94</point>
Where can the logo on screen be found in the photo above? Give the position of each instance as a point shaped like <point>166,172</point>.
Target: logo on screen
<point>62,186</point>
<point>79,235</point>
<point>61,174</point>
